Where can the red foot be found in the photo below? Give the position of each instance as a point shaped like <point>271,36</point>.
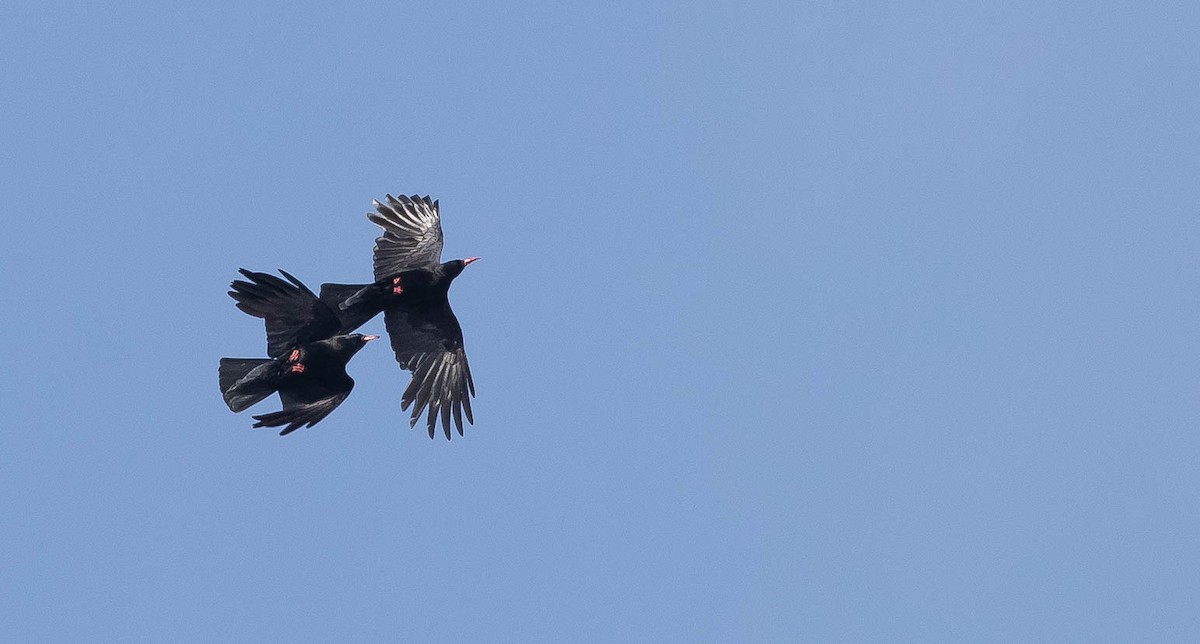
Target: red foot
<point>294,356</point>
<point>297,368</point>
<point>397,289</point>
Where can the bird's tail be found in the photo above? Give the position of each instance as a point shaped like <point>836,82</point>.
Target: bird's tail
<point>340,297</point>
<point>352,303</point>
<point>240,387</point>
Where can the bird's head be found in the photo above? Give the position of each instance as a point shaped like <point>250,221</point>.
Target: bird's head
<point>456,266</point>
<point>351,343</point>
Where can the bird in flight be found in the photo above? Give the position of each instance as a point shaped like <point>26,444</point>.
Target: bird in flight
<point>411,289</point>
<point>308,356</point>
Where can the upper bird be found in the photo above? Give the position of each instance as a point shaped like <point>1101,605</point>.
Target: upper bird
<point>411,288</point>
<point>308,359</point>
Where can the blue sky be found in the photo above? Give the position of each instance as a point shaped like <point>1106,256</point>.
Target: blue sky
<point>816,321</point>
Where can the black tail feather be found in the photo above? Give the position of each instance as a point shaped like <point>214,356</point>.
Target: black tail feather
<point>239,391</point>
<point>353,306</point>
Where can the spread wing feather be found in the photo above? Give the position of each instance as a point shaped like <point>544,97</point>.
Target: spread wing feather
<point>296,414</point>
<point>412,234</point>
<point>292,313</point>
<point>428,342</point>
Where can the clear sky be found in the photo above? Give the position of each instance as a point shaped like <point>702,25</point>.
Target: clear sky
<point>816,321</point>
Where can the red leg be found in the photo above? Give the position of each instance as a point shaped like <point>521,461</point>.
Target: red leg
<point>396,287</point>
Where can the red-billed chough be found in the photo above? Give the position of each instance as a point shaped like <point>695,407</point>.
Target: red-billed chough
<point>410,288</point>
<point>308,360</point>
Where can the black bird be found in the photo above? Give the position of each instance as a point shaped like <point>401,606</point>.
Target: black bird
<point>308,361</point>
<point>411,286</point>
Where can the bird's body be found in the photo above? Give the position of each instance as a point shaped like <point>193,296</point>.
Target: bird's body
<point>411,289</point>
<point>414,288</point>
<point>307,366</point>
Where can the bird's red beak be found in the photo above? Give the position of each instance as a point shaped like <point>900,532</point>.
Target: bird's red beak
<point>368,338</point>
<point>467,261</point>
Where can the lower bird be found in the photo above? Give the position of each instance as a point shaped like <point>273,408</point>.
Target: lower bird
<point>308,361</point>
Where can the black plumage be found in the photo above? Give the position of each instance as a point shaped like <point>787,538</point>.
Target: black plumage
<point>411,289</point>
<point>308,356</point>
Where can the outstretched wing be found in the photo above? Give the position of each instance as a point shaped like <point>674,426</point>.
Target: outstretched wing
<point>309,404</point>
<point>412,234</point>
<point>428,342</point>
<point>292,313</point>
<point>295,415</point>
